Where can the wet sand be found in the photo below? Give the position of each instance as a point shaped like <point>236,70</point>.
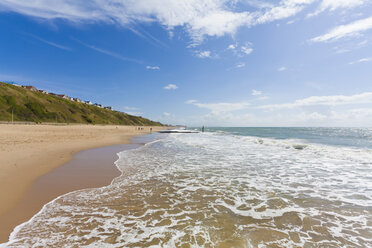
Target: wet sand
<point>30,157</point>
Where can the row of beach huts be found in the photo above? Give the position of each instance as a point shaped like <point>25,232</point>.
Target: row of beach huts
<point>32,88</point>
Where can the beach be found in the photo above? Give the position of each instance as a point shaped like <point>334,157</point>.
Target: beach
<point>226,187</point>
<point>222,188</point>
<point>28,152</point>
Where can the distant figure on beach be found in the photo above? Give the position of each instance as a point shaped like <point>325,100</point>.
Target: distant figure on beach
<point>150,129</point>
<point>203,129</point>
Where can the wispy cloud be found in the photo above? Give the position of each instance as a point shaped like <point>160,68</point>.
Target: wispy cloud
<point>352,29</point>
<point>240,65</point>
<point>152,67</point>
<point>362,98</point>
<point>220,107</point>
<point>343,50</point>
<point>109,53</point>
<point>130,108</point>
<point>363,43</point>
<point>284,9</point>
<point>171,87</point>
<point>132,111</point>
<point>363,60</point>
<point>232,47</point>
<point>199,19</point>
<point>242,50</point>
<point>256,93</point>
<point>332,5</point>
<point>146,35</point>
<point>204,54</point>
<point>50,43</point>
<point>191,101</point>
<point>247,49</point>
<point>259,4</point>
<point>283,68</point>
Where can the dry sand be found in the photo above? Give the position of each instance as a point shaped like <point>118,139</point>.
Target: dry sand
<point>28,152</point>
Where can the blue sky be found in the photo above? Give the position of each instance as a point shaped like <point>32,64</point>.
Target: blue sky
<point>194,62</point>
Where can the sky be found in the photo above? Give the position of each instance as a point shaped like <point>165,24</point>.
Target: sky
<point>198,62</point>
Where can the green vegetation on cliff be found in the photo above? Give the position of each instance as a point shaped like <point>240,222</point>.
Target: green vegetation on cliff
<point>34,106</point>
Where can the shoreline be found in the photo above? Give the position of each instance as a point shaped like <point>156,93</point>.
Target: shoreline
<point>37,161</point>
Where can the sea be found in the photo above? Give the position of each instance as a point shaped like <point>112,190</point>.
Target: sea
<point>226,187</point>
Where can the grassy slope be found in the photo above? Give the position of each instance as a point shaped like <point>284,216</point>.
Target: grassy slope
<point>38,107</point>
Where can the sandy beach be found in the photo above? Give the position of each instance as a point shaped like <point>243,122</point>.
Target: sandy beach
<point>28,152</point>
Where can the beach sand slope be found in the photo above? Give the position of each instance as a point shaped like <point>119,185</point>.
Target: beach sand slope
<point>30,151</point>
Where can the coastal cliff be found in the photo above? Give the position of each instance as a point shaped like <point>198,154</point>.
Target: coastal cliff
<point>21,104</point>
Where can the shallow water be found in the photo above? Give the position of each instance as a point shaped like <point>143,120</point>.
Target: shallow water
<point>218,190</point>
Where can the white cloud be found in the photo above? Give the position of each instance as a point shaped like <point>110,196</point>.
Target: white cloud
<point>191,101</point>
<point>231,47</point>
<point>332,5</point>
<point>333,110</point>
<point>362,98</point>
<point>283,68</point>
<point>203,54</point>
<point>285,9</point>
<point>335,4</point>
<point>261,98</point>
<point>221,107</point>
<point>198,18</point>
<point>240,65</point>
<point>314,116</point>
<point>348,30</point>
<point>361,61</point>
<point>247,50</point>
<point>362,43</point>
<point>341,51</point>
<point>132,111</point>
<point>166,114</point>
<point>152,67</point>
<point>171,87</point>
<point>256,93</point>
<point>259,4</point>
<point>361,112</point>
<point>338,117</point>
<point>241,51</point>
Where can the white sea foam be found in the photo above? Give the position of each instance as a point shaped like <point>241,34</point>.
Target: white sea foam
<point>211,188</point>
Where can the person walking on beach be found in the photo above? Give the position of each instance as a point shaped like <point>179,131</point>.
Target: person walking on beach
<point>203,129</point>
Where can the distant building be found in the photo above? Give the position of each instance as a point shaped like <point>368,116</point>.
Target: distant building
<point>98,105</point>
<point>88,102</point>
<point>64,97</point>
<point>32,88</point>
<point>77,100</point>
<point>16,85</point>
<point>109,108</point>
<point>43,91</point>
<point>71,98</point>
<point>52,94</point>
